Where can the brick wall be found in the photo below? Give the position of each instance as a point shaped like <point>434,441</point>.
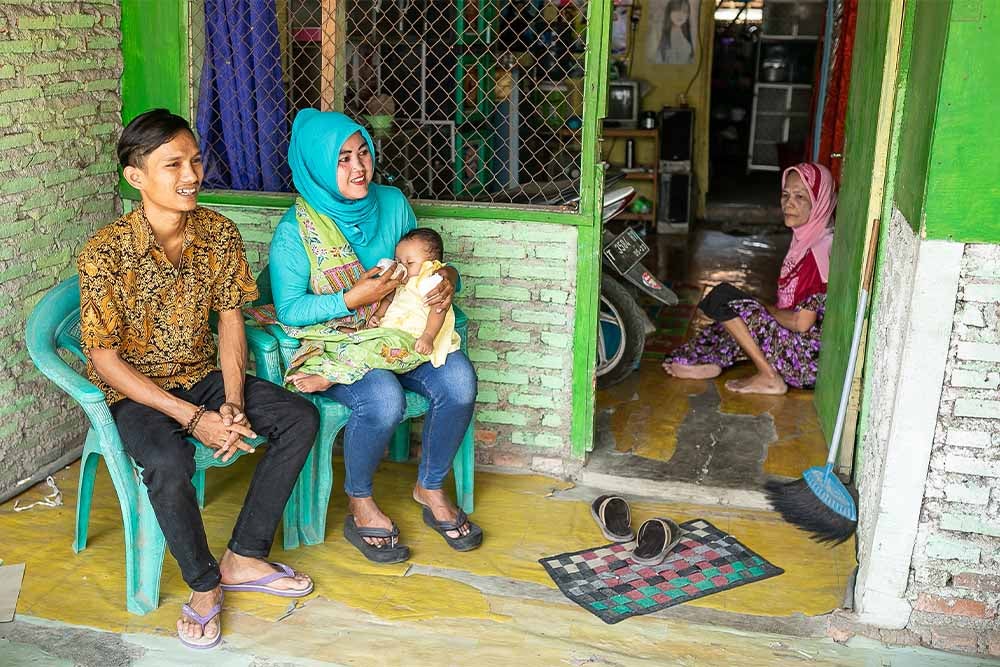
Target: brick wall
<point>519,292</point>
<point>59,120</point>
<point>955,575</point>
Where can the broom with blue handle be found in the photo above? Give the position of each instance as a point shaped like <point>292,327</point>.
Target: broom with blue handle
<point>819,502</point>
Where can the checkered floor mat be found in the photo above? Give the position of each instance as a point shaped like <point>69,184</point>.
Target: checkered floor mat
<point>608,583</point>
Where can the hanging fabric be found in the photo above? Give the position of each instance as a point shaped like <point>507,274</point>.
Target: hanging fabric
<point>835,110</point>
<point>241,122</point>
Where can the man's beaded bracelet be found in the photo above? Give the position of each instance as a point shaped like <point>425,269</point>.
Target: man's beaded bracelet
<point>189,429</point>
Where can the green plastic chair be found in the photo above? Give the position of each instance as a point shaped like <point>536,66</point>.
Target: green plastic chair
<point>54,325</point>
<point>311,495</point>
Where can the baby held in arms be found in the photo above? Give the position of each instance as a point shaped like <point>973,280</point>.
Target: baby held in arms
<point>401,334</point>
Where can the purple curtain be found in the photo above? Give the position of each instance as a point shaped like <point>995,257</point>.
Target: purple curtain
<point>241,105</point>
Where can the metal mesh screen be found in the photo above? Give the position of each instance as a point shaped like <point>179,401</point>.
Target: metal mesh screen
<point>467,100</point>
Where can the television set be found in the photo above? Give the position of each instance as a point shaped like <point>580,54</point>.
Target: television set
<point>623,103</point>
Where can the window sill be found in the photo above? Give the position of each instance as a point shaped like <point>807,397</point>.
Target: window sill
<point>423,208</point>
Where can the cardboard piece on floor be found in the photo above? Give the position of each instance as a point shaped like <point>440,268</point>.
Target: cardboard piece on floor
<point>10,587</point>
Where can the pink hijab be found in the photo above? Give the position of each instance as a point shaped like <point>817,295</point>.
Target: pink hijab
<point>816,235</point>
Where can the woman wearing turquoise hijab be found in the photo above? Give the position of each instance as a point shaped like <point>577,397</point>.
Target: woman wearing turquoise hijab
<point>323,268</point>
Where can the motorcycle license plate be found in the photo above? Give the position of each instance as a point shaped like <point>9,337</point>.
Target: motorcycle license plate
<point>626,251</point>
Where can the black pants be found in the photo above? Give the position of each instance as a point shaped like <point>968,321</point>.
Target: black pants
<point>716,303</point>
<point>156,442</point>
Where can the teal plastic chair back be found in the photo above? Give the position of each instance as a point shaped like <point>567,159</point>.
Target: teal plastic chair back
<point>54,325</point>
<point>311,495</point>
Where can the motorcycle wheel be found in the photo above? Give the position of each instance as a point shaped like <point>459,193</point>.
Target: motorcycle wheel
<point>621,333</point>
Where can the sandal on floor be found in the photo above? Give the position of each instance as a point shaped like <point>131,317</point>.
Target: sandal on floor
<point>468,542</point>
<point>655,539</point>
<point>378,553</point>
<point>203,642</point>
<point>614,518</point>
<point>282,571</point>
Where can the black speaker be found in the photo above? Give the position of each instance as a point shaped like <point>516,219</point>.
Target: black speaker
<point>676,132</point>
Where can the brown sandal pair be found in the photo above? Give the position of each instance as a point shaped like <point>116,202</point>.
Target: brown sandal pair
<point>656,537</point>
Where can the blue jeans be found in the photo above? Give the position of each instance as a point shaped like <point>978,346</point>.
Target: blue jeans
<point>378,405</point>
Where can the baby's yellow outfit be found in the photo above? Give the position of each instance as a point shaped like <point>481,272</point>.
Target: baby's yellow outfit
<point>408,312</point>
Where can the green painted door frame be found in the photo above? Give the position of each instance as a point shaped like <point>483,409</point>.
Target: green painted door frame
<point>157,74</point>
<point>863,112</point>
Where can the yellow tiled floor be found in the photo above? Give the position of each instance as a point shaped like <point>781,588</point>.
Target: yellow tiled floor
<point>523,517</point>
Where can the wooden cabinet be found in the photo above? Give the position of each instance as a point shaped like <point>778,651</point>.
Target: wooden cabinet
<point>644,172</point>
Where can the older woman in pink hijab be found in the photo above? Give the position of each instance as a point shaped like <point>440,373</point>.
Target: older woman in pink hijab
<point>782,340</point>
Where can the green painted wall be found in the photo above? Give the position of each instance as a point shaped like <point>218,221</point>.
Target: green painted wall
<point>925,33</point>
<point>852,211</point>
<point>963,189</point>
<point>145,23</point>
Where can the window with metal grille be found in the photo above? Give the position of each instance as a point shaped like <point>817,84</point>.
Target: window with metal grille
<point>466,100</point>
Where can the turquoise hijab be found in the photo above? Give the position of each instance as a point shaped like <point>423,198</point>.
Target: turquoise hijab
<point>317,137</point>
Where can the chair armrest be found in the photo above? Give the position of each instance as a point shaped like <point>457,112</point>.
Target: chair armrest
<point>283,339</point>
<point>260,342</point>
<point>51,365</point>
<point>286,344</point>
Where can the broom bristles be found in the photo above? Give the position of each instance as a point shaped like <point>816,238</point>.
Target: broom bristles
<point>798,505</point>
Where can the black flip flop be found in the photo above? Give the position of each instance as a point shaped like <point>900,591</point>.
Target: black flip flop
<point>378,553</point>
<point>461,543</point>
<point>614,518</point>
<point>655,539</point>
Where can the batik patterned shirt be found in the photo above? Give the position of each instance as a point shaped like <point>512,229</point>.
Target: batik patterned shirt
<point>155,314</point>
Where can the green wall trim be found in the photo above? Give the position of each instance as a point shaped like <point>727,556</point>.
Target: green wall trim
<point>588,261</point>
<point>852,213</point>
<point>424,208</point>
<point>588,285</point>
<point>917,91</point>
<point>155,55</point>
<point>963,191</point>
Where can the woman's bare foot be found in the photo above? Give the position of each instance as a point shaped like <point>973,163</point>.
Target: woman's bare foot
<point>441,508</point>
<point>368,515</point>
<point>236,569</point>
<point>692,371</point>
<point>309,384</point>
<point>202,603</point>
<point>758,384</point>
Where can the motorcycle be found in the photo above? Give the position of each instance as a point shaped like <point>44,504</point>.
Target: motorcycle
<point>622,325</point>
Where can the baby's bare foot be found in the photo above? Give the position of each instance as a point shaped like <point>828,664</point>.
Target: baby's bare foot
<point>309,384</point>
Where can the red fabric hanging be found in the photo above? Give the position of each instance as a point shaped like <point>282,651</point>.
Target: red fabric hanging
<point>835,109</point>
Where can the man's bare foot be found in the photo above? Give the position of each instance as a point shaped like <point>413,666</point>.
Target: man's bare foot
<point>441,508</point>
<point>236,569</point>
<point>202,603</point>
<point>368,515</point>
<point>309,384</point>
<point>758,384</point>
<point>692,371</point>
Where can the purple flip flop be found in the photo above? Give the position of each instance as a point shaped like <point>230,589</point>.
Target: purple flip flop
<point>202,642</point>
<point>261,585</point>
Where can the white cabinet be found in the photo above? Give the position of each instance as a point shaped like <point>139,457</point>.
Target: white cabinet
<point>786,61</point>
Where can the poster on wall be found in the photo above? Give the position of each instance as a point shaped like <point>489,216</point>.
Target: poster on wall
<point>673,32</point>
<point>619,30</point>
